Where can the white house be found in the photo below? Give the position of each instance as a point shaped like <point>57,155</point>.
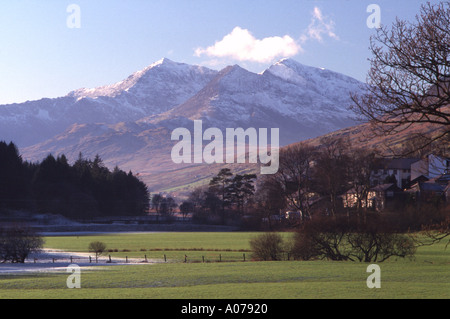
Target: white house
<point>377,197</point>
<point>400,168</point>
<point>432,166</point>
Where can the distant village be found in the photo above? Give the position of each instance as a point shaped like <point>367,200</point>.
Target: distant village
<point>416,179</point>
<point>307,185</point>
<point>394,184</point>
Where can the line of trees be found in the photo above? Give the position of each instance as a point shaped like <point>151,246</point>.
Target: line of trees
<point>164,206</point>
<point>312,181</point>
<point>226,199</point>
<point>83,190</point>
<point>338,239</point>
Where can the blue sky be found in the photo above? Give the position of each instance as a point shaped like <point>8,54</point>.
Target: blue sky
<point>40,56</point>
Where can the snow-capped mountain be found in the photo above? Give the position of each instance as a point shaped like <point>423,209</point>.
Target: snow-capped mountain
<point>155,89</point>
<point>129,123</point>
<point>302,101</point>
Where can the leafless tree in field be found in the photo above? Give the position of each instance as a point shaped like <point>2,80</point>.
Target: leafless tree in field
<point>98,248</point>
<point>17,242</point>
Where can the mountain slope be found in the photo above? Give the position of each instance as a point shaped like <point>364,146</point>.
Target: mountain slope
<point>157,88</point>
<point>367,136</point>
<point>303,102</point>
<point>145,149</point>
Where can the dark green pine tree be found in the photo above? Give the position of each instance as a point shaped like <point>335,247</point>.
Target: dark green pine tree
<point>15,192</point>
<point>219,188</point>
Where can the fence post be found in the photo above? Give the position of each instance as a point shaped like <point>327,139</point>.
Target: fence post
<point>203,258</point>
<point>90,259</point>
<point>185,258</point>
<point>126,259</point>
<point>244,256</point>
<point>145,258</point>
<point>110,258</point>
<point>220,257</point>
<point>165,260</point>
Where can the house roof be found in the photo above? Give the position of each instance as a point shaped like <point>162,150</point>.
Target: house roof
<point>398,163</point>
<point>378,188</point>
<point>419,179</point>
<point>431,187</point>
<point>384,187</point>
<point>443,179</point>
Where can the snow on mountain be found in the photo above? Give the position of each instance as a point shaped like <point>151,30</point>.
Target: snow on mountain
<point>129,123</point>
<point>302,101</point>
<point>155,89</point>
<point>330,85</point>
<point>163,79</point>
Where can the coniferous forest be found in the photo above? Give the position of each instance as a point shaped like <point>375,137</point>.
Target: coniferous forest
<point>83,190</point>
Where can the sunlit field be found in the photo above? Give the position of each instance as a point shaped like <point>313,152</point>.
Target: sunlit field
<point>425,276</point>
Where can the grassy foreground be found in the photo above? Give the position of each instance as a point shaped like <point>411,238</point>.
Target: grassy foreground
<point>213,246</point>
<point>426,276</point>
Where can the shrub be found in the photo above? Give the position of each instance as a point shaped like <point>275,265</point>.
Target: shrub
<point>268,246</point>
<point>342,238</point>
<point>98,248</point>
<point>17,242</point>
<point>322,238</point>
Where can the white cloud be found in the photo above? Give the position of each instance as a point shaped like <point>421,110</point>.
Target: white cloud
<point>241,45</point>
<point>319,26</point>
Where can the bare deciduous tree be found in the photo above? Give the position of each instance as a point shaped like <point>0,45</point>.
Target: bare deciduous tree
<point>269,198</point>
<point>98,248</point>
<point>360,166</point>
<point>268,246</point>
<point>17,242</point>
<point>295,176</point>
<point>409,78</point>
<point>330,170</point>
<point>342,239</point>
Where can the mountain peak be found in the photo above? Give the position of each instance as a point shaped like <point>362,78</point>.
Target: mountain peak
<point>233,68</point>
<point>287,61</point>
<point>161,68</point>
<point>296,72</point>
<point>288,95</point>
<point>294,65</point>
<point>163,61</point>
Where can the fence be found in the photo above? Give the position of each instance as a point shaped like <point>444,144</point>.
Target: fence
<point>90,260</point>
<point>167,257</point>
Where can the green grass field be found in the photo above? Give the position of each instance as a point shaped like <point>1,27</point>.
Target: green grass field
<point>211,246</point>
<point>426,276</point>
